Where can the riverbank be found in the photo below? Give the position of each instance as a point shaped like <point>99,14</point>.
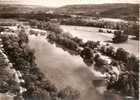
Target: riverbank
<point>23,59</point>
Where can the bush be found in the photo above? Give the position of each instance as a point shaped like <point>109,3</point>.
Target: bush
<point>122,55</point>
<point>109,31</point>
<point>100,30</point>
<point>110,51</point>
<point>119,37</point>
<point>32,32</point>
<point>1,29</point>
<point>78,40</point>
<point>87,56</point>
<point>91,44</point>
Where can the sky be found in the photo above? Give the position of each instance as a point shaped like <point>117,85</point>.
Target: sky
<point>58,3</point>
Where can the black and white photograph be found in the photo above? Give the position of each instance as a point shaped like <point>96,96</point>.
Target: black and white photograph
<point>69,49</point>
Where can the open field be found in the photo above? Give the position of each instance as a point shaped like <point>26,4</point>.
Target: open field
<point>91,33</point>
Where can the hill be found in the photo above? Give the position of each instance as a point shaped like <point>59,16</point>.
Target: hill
<point>122,10</point>
<point>118,10</point>
<point>18,8</point>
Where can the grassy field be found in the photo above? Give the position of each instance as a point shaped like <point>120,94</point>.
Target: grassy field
<point>91,33</point>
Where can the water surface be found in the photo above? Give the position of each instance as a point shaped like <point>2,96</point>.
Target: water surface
<point>64,69</point>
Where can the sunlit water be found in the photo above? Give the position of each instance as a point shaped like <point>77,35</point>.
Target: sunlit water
<point>91,33</point>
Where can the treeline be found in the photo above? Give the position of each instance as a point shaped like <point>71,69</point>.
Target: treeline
<point>38,16</point>
<point>23,59</point>
<point>101,24</point>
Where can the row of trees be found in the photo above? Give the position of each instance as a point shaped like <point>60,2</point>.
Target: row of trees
<point>94,23</point>
<point>62,40</point>
<point>49,26</point>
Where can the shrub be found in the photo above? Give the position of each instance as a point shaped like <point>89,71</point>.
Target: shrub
<point>119,37</point>
<point>78,40</point>
<point>110,51</point>
<point>1,29</point>
<point>91,44</point>
<point>109,31</point>
<point>100,30</point>
<point>122,55</point>
<point>87,56</point>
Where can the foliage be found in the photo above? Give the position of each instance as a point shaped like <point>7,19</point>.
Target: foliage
<point>122,55</point>
<point>133,63</point>
<point>91,44</point>
<point>127,83</point>
<point>1,29</point>
<point>119,37</point>
<point>87,55</point>
<point>78,41</point>
<point>53,27</point>
<point>63,40</point>
<point>69,93</point>
<point>133,29</point>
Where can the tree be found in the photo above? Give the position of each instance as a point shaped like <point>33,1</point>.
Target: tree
<point>91,44</point>
<point>78,40</point>
<point>1,29</point>
<point>87,56</point>
<point>132,29</point>
<point>119,37</point>
<point>122,55</point>
<point>127,84</point>
<point>133,63</point>
<point>69,93</point>
<point>110,51</point>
